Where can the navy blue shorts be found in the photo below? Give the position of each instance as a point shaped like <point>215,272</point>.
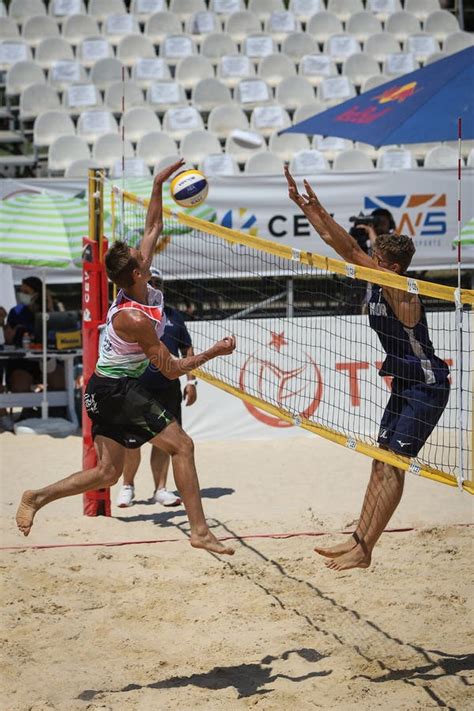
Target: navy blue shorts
<point>411,415</point>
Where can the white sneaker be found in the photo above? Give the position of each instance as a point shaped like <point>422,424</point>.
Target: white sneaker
<point>125,496</point>
<point>166,498</point>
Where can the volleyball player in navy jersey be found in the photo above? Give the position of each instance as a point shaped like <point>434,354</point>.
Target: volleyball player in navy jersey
<point>420,385</point>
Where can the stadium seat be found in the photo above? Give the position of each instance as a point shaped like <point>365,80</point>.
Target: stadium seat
<point>435,57</point>
<point>179,122</point>
<point>286,145</point>
<point>232,68</point>
<point>128,90</point>
<point>166,161</point>
<point>441,24</point>
<point>218,45</point>
<point>422,45</point>
<point>457,41</point>
<point>293,92</point>
<point>258,46</point>
<point>382,9</point>
<point>352,160</point>
<point>133,47</point>
<point>209,93</point>
<point>322,25</point>
<point>421,8</point>
<point>334,90</point>
<point>146,70</point>
<point>264,164</point>
<point>240,152</point>
<point>21,75</point>
<point>185,8</point>
<point>143,10</point>
<point>265,120</point>
<point>60,10</point>
<point>368,148</point>
<point>130,168</point>
<point>343,9</point>
<point>196,145</point>
<point>92,49</point>
<point>307,110</point>
<point>298,44</point>
<point>399,63</point>
<point>362,25</point>
<point>315,67</point>
<point>63,74</point>
<point>139,121</point>
<point>37,28</point>
<point>20,10</point>
<point>215,164</point>
<point>242,24</point>
<point>374,81</point>
<point>382,44</point>
<point>79,97</point>
<point>308,162</point>
<point>202,23</point>
<point>77,27</point>
<point>160,25</point>
<point>50,125</point>
<point>396,159</point>
<point>402,24</point>
<point>95,123</point>
<point>470,159</point>
<point>441,157</point>
<point>250,93</point>
<point>225,8</point>
<point>109,147</point>
<point>165,94</point>
<point>280,24</point>
<point>116,27</point>
<point>304,9</point>
<point>36,99</point>
<point>359,67</point>
<point>420,150</point>
<point>276,67</point>
<point>466,146</point>
<point>154,146</point>
<point>80,168</point>
<point>9,29</point>
<point>101,9</point>
<point>341,46</point>
<point>65,150</point>
<point>191,70</point>
<point>175,47</point>
<point>106,72</point>
<point>264,8</point>
<point>51,50</point>
<point>13,51</point>
<point>331,146</point>
<point>224,119</point>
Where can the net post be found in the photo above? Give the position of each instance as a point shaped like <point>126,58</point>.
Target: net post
<point>94,306</point>
<point>459,319</point>
<point>290,298</point>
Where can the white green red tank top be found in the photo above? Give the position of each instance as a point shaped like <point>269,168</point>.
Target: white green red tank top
<point>119,358</point>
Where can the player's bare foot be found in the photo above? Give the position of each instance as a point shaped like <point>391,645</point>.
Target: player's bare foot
<point>26,512</point>
<point>209,542</point>
<point>340,549</point>
<point>356,558</point>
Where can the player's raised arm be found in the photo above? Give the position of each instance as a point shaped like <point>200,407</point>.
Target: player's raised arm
<point>154,215</point>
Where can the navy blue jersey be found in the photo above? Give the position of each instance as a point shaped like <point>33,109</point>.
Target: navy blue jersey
<point>21,316</point>
<point>410,353</point>
<point>177,340</point>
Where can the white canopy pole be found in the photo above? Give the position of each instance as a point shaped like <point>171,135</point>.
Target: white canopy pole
<point>44,402</point>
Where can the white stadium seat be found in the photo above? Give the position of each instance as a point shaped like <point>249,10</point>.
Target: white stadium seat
<point>116,27</point>
<point>322,25</point>
<point>52,49</point>
<point>109,147</point>
<point>470,159</point>
<point>63,74</point>
<point>217,45</point>
<point>9,29</point>
<point>264,8</point>
<point>78,27</point>
<point>37,28</point>
<point>242,152</point>
<point>130,168</point>
<point>420,150</point>
<point>441,24</point>
<point>264,164</point>
<point>215,164</point>
<point>331,146</point>
<point>293,92</point>
<point>457,41</point>
<point>382,44</point>
<point>399,64</point>
<point>307,111</point>
<point>268,119</point>
<point>165,94</point>
<point>209,93</point>
<point>179,122</point>
<point>258,46</point>
<point>225,8</point>
<point>242,24</point>
<point>191,70</point>
<point>422,45</point>
<point>154,146</point>
<point>146,70</point>
<point>95,123</point>
<point>286,145</point>
<point>304,9</point>
<point>371,151</point>
<point>281,24</point>
<point>233,68</point>
<point>334,90</point>
<point>102,8</point>
<point>362,25</point>
<point>466,146</point>
<point>144,9</point>
<point>21,75</point>
<point>250,93</point>
<point>13,51</point>
<point>106,71</point>
<point>396,159</point>
<point>374,81</point>
<point>92,49</point>
<point>202,23</point>
<point>359,67</point>
<point>169,160</point>
<point>80,168</point>
<point>308,162</point>
<point>129,91</point>
<point>196,145</point>
<point>64,151</point>
<point>20,10</point>
<point>134,47</point>
<point>382,9</point>
<point>37,98</point>
<point>441,157</point>
<point>435,57</point>
<point>139,121</point>
<point>80,97</point>
<point>51,124</point>
<point>160,25</point>
<point>352,160</point>
<point>298,44</point>
<point>341,46</point>
<point>224,119</point>
<point>344,8</point>
<point>421,8</point>
<point>60,10</point>
<point>402,24</point>
<point>276,67</point>
<point>315,67</point>
<point>185,8</point>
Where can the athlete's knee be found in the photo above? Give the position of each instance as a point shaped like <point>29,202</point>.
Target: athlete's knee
<point>109,474</point>
<point>185,445</point>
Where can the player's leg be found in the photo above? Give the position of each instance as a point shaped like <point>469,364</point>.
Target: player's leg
<point>130,468</point>
<point>104,474</point>
<point>180,447</point>
<point>170,398</point>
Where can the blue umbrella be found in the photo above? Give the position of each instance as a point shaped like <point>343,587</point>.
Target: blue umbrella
<point>418,107</point>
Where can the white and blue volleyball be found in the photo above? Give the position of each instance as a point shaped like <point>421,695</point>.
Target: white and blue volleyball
<point>189,188</point>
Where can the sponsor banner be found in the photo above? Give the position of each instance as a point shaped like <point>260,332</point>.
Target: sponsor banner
<point>324,368</point>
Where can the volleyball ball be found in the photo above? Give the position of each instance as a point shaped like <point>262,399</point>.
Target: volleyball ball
<point>189,188</point>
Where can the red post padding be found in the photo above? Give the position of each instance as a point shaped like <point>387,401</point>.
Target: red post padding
<point>94,312</point>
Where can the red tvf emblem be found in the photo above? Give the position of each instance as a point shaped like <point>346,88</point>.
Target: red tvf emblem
<point>281,373</point>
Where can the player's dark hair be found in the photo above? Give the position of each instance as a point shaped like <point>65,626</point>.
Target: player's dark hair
<point>396,248</point>
<point>120,264</point>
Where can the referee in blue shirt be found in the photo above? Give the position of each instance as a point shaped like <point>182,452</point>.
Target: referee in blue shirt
<point>168,392</point>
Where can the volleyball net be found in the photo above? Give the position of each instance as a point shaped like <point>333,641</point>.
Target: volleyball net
<point>306,354</point>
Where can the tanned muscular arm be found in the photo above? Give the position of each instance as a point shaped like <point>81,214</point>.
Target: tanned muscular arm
<point>406,307</point>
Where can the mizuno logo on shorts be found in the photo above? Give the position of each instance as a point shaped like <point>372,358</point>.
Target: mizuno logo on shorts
<point>383,434</point>
<point>402,444</point>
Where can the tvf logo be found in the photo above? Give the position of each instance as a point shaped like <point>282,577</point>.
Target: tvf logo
<point>418,216</point>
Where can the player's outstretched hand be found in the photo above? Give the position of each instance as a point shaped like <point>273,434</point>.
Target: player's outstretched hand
<point>307,202</point>
<point>166,173</point>
<point>225,346</point>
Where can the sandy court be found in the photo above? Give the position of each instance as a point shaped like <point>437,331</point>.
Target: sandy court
<point>162,626</point>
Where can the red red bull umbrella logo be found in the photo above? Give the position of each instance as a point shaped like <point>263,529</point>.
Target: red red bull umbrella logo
<point>396,93</point>
<point>368,114</point>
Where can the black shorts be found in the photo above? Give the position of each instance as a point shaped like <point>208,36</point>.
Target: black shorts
<point>411,415</point>
<point>125,411</point>
<point>170,398</point>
